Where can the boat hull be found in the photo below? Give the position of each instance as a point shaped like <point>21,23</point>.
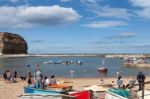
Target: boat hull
<point>39,96</point>
<point>115,93</point>
<point>40,91</point>
<point>102,69</point>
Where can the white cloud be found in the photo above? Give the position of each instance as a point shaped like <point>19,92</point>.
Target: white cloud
<point>114,12</point>
<point>105,24</point>
<point>141,3</point>
<point>29,16</point>
<point>145,7</point>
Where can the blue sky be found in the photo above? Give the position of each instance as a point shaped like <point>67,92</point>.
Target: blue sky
<point>79,26</point>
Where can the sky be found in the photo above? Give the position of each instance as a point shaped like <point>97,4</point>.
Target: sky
<point>79,26</point>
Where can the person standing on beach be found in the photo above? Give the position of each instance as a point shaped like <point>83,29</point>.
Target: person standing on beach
<point>9,76</point>
<point>15,74</point>
<point>38,77</point>
<point>5,75</point>
<point>141,79</point>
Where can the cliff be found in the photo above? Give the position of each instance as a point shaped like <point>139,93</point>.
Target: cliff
<point>12,44</point>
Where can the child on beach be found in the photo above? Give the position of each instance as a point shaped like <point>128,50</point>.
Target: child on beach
<point>120,82</point>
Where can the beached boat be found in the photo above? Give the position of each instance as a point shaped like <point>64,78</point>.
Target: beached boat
<point>146,94</point>
<point>47,94</point>
<point>99,90</point>
<point>40,91</point>
<point>115,93</point>
<point>102,67</point>
<point>83,94</point>
<point>41,96</point>
<point>59,87</point>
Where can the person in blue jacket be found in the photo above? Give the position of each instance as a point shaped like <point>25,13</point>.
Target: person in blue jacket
<point>141,78</point>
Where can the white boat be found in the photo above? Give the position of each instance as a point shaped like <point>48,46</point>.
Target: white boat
<point>48,62</point>
<point>146,94</point>
<point>79,62</point>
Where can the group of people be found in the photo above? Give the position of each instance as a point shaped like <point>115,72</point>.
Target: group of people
<point>39,81</point>
<point>9,76</point>
<point>140,79</point>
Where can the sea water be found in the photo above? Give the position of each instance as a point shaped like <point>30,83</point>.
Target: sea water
<point>87,69</point>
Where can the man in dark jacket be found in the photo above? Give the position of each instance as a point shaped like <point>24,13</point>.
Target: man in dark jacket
<point>140,79</point>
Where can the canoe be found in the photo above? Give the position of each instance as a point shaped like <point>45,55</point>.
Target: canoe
<point>115,93</point>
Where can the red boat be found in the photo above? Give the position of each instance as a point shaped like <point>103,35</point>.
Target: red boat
<point>102,69</point>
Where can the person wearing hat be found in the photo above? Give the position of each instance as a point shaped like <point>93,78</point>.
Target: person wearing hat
<point>141,79</point>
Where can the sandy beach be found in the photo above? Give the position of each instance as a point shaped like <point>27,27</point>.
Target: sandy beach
<point>11,90</point>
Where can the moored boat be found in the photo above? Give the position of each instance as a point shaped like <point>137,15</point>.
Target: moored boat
<point>102,67</point>
<point>48,62</point>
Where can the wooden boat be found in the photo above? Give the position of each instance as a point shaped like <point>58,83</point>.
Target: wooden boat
<point>115,93</point>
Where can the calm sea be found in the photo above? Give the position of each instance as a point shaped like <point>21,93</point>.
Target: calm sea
<point>87,69</point>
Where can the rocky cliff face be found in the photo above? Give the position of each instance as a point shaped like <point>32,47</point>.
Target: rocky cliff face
<point>12,44</point>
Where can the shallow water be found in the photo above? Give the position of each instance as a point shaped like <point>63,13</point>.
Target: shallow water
<point>87,69</point>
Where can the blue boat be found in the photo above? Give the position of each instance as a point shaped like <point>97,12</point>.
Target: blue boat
<point>40,91</point>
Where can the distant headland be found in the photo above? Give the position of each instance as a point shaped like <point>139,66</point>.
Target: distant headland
<point>12,44</point>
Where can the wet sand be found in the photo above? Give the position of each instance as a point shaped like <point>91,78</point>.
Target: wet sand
<point>11,90</point>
